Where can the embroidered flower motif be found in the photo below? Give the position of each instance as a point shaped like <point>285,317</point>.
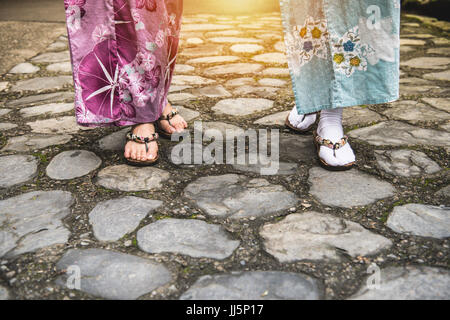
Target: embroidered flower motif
<point>100,33</point>
<point>74,13</point>
<point>349,46</point>
<point>308,46</point>
<point>349,53</point>
<point>303,32</point>
<point>306,41</point>
<point>316,33</point>
<point>355,61</point>
<point>338,58</point>
<point>159,39</point>
<point>139,25</point>
<point>150,5</point>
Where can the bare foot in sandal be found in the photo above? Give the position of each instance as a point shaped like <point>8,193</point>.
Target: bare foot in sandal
<point>171,121</point>
<point>137,151</point>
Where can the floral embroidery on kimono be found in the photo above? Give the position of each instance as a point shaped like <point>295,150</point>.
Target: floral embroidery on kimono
<point>342,53</point>
<point>123,54</point>
<point>308,40</point>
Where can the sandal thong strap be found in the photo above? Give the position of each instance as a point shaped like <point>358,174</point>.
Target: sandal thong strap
<point>169,116</point>
<point>145,140</point>
<point>329,144</point>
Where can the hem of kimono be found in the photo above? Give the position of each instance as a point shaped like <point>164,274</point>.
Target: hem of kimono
<point>121,122</point>
<point>347,105</point>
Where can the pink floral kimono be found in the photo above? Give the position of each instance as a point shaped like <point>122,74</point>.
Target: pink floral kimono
<point>123,56</point>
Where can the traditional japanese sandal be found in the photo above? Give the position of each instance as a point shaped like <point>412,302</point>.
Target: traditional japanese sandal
<point>167,118</point>
<point>144,140</point>
<point>319,141</point>
<point>291,127</point>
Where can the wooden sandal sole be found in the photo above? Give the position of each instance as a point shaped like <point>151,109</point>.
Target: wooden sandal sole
<point>137,163</point>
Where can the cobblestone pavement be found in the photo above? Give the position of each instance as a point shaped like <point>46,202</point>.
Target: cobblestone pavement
<point>69,203</point>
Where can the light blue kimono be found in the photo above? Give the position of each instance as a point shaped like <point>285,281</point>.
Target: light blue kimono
<point>342,53</point>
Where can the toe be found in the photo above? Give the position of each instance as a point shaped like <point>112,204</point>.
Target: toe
<point>141,155</point>
<point>127,152</point>
<point>133,154</point>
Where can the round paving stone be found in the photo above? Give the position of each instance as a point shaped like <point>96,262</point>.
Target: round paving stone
<point>40,99</point>
<point>112,219</point>
<point>406,163</point>
<point>194,41</point>
<point>73,164</point>
<point>62,67</point>
<point>242,106</point>
<point>113,275</point>
<point>115,141</point>
<point>212,92</point>
<point>260,91</point>
<point>280,46</point>
<point>57,46</point>
<point>395,133</point>
<point>415,112</point>
<point>211,129</point>
<point>276,119</point>
<point>214,59</point>
<point>36,222</point>
<point>128,178</point>
<point>194,238</point>
<point>53,108</point>
<point>272,82</point>
<point>438,76</point>
<point>187,114</point>
<point>181,80</point>
<point>246,48</point>
<point>31,142</point>
<point>58,125</point>
<point>24,68</point>
<point>234,40</point>
<point>4,85</point>
<point>237,196</point>
<point>180,97</point>
<point>408,283</point>
<point>357,116</point>
<point>51,57</point>
<point>411,42</point>
<point>444,192</point>
<point>347,189</point>
<point>17,169</point>
<point>234,68</point>
<point>183,68</point>
<point>276,72</point>
<point>240,82</point>
<point>273,58</point>
<point>427,63</point>
<point>421,220</point>
<point>4,112</point>
<point>205,27</point>
<point>255,285</point>
<point>4,126</point>
<point>202,51</point>
<point>43,84</point>
<point>266,167</point>
<point>318,236</point>
<point>438,103</point>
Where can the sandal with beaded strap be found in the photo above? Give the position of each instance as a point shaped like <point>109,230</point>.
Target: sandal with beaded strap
<point>291,127</point>
<point>319,141</point>
<point>167,118</point>
<point>144,140</point>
